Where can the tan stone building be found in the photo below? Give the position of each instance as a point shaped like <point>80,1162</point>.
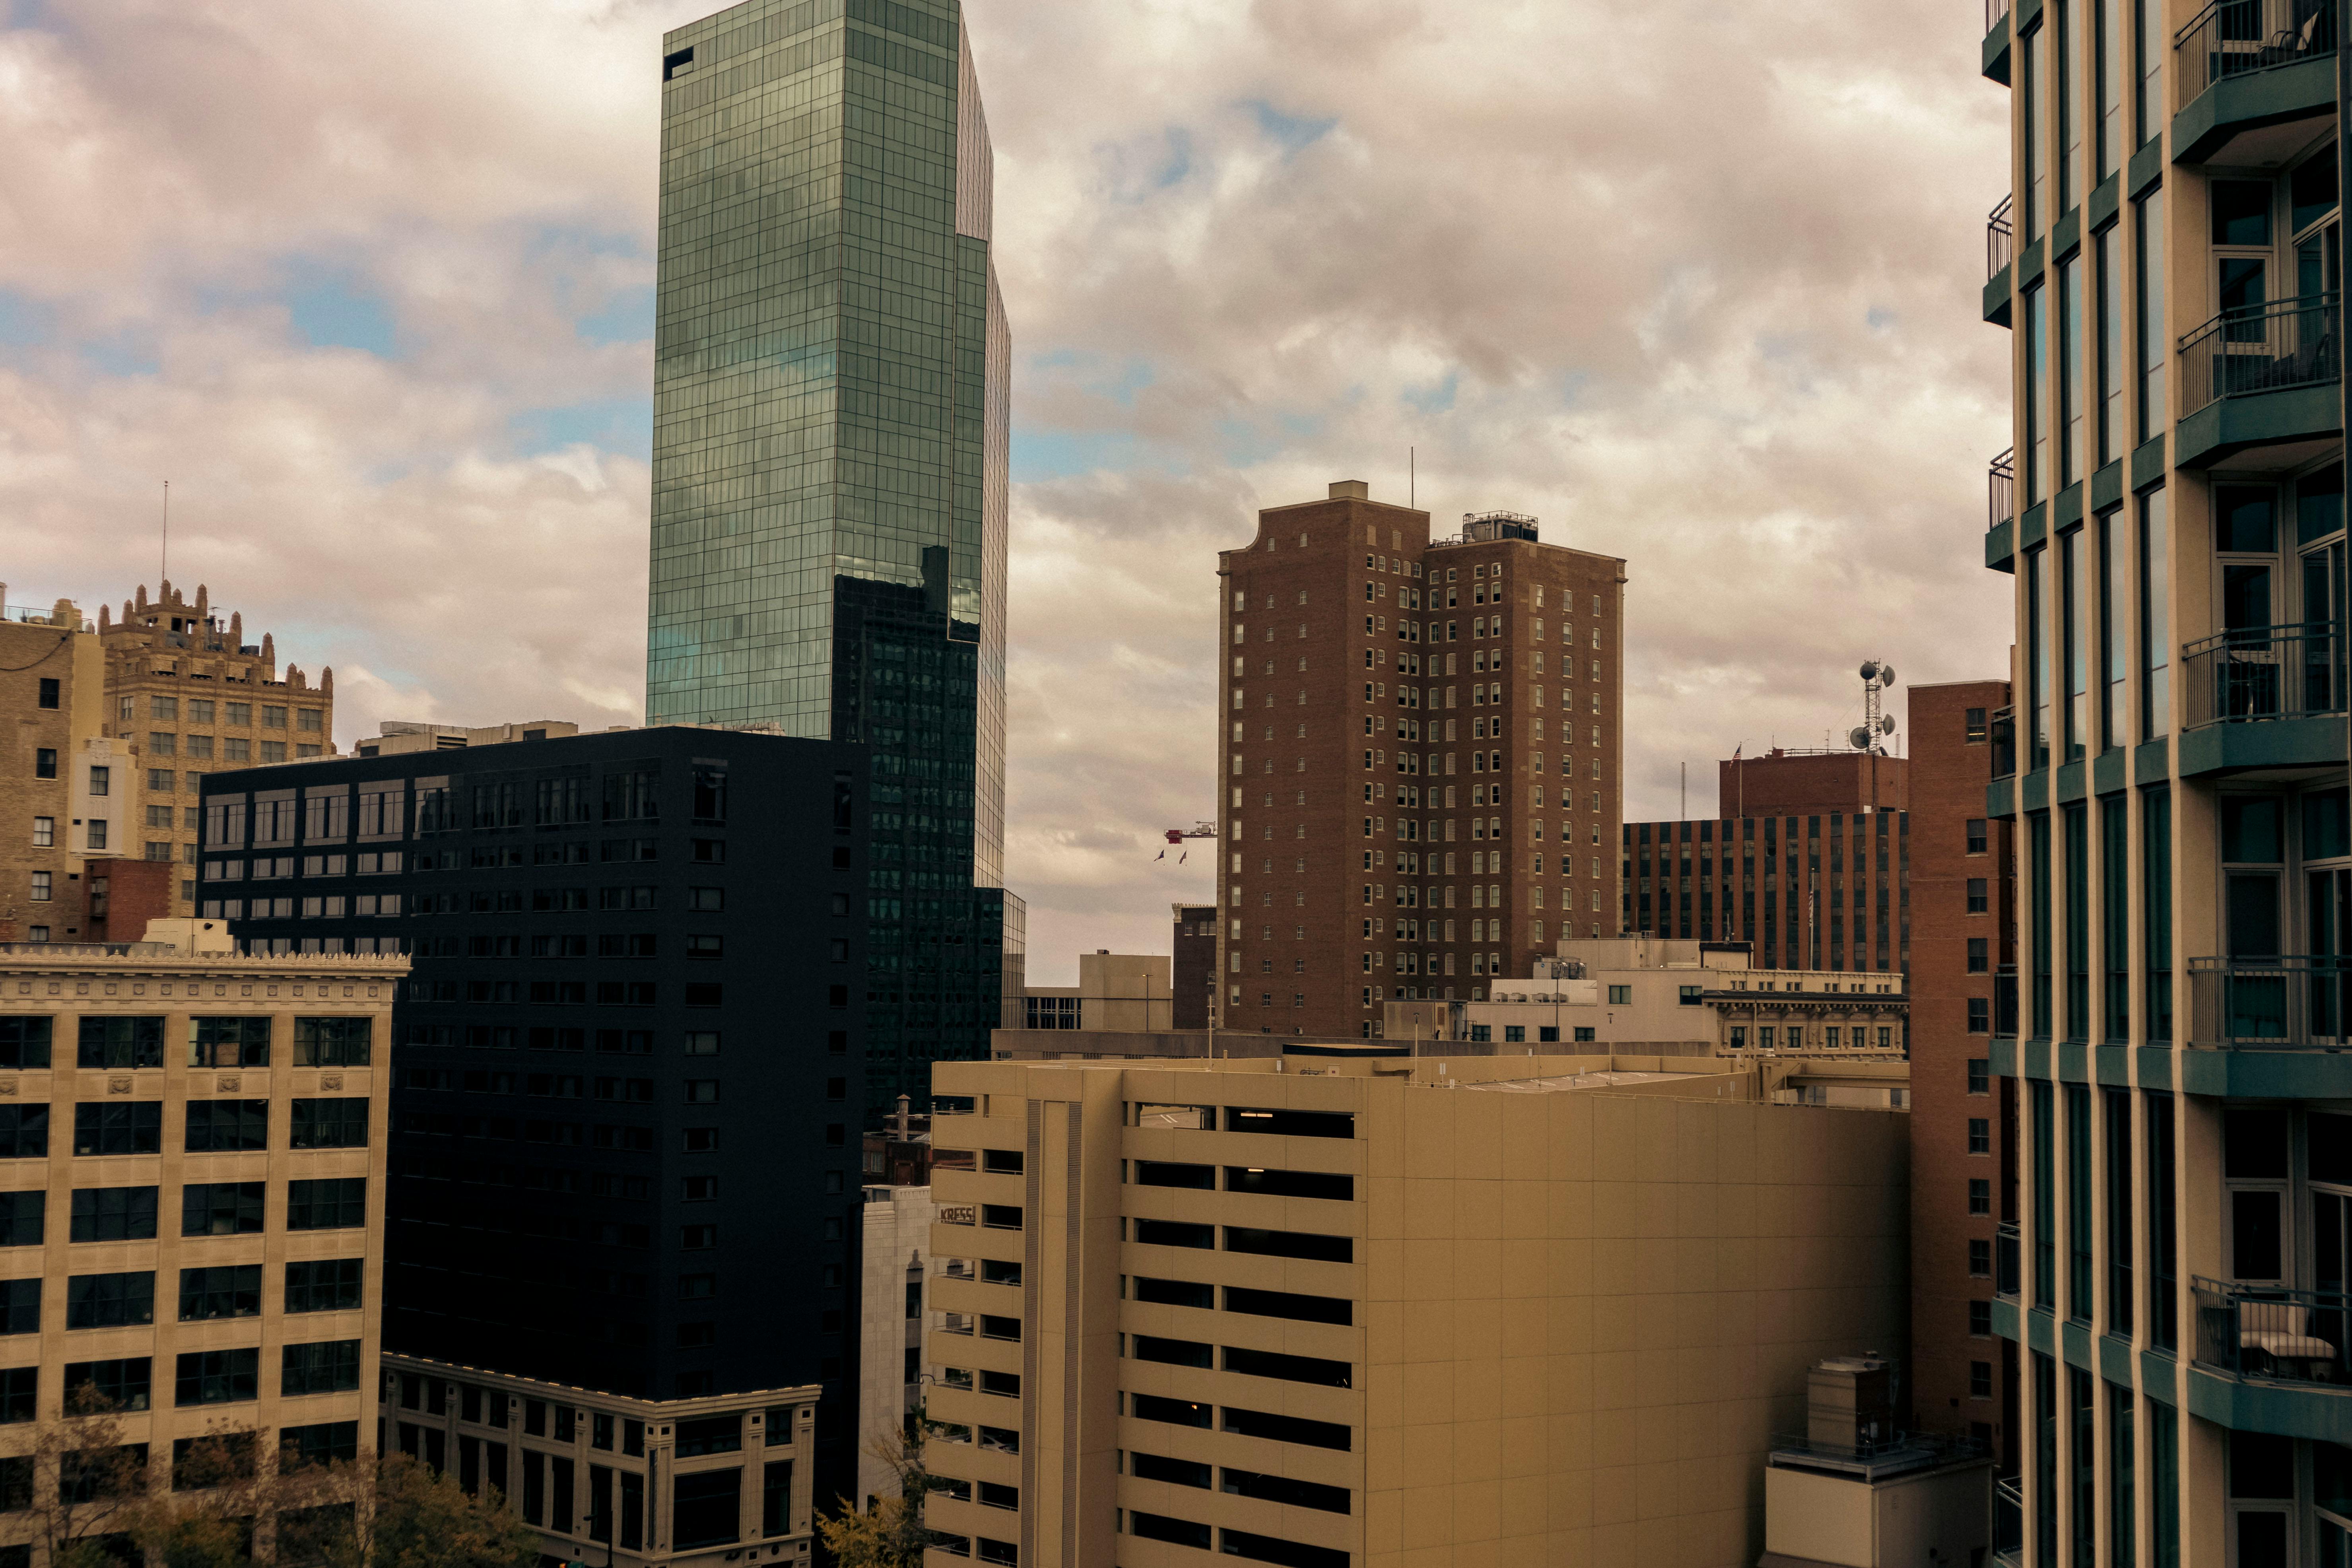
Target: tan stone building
<point>192,1163</point>
<point>1670,997</point>
<point>1121,992</point>
<point>1423,744</point>
<point>115,723</point>
<point>1354,1309</point>
<point>607,1478</point>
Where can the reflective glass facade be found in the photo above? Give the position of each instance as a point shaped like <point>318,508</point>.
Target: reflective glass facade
<point>830,434</point>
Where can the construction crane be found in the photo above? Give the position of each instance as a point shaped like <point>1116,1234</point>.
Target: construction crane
<point>1178,835</point>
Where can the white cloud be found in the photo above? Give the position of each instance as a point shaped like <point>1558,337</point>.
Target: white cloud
<point>1696,284</point>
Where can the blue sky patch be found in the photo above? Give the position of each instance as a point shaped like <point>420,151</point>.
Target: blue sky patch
<point>1293,133</point>
<point>621,426</point>
<point>23,322</point>
<point>627,317</point>
<point>329,309</point>
<point>1438,399</point>
<point>1040,455</point>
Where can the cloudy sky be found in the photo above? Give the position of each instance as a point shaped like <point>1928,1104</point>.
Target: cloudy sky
<point>371,284</point>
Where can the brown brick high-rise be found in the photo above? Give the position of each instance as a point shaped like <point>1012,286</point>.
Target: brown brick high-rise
<point>1961,938</point>
<point>1423,749</point>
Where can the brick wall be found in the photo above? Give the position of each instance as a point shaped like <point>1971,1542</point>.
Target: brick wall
<point>1398,717</point>
<point>1949,776</point>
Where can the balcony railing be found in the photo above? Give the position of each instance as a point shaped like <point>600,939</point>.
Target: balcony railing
<point>2000,240</point>
<point>2266,1332</point>
<point>2290,1004</point>
<point>2232,38</point>
<point>2001,490</point>
<point>2005,1270</point>
<point>2007,1521</point>
<point>2262,347</point>
<point>2004,742</point>
<point>1994,11</point>
<point>2265,672</point>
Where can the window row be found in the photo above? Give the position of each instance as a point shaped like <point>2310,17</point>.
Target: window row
<point>233,1291</point>
<point>113,1043</point>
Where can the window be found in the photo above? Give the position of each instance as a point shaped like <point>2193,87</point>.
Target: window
<point>40,894</point>
<point>134,1127</point>
<point>230,1292</point>
<point>1979,1135</point>
<point>1980,955</point>
<point>329,1367</point>
<point>1980,1195</point>
<point>45,832</point>
<point>324,1285</point>
<point>49,695</point>
<point>1981,1257</point>
<point>23,1042</point>
<point>122,1383</point>
<point>100,779</point>
<point>224,1126</point>
<point>45,762</point>
<point>228,1042</point>
<point>1981,1320</point>
<point>1980,1075</point>
<point>113,1043</point>
<point>217,1377</point>
<point>332,1042</point>
<point>220,1208</point>
<point>1979,1015</point>
<point>338,1123</point>
<point>1620,996</point>
<point>1979,1380</point>
<point>103,1300</point>
<point>1979,895</point>
<point>338,1203</point>
<point>1976,836</point>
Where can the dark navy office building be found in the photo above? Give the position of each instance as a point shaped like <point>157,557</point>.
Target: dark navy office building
<point>629,1056</point>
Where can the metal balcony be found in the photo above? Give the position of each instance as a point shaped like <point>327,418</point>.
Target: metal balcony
<point>2233,39</point>
<point>2287,1003</point>
<point>2000,243</point>
<point>2005,1268</point>
<point>2262,347</point>
<point>2004,742</point>
<point>2009,1521</point>
<point>2265,672</point>
<point>2000,489</point>
<point>2273,1333</point>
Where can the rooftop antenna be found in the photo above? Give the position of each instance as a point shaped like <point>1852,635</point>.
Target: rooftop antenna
<point>1868,737</point>
<point>1411,478</point>
<point>164,568</point>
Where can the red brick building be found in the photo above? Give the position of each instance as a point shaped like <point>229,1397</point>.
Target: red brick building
<point>1963,937</point>
<point>1422,746</point>
<point>1782,783</point>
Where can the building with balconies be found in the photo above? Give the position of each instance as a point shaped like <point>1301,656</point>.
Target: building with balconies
<point>1331,1309</point>
<point>2171,1051</point>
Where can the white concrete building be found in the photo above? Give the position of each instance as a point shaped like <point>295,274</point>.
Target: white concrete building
<point>1674,997</point>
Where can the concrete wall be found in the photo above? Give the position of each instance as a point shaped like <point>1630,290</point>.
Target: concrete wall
<point>897,1253</point>
<point>1576,1316</point>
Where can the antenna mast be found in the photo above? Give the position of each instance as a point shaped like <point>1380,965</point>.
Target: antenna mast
<point>164,569</point>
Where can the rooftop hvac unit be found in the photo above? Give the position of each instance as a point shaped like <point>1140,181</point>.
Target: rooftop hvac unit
<point>1850,1404</point>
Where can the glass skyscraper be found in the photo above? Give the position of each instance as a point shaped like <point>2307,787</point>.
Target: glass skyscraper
<point>830,409</point>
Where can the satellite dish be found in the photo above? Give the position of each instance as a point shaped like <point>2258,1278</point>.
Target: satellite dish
<point>1858,738</point>
<point>1887,724</point>
<point>1885,675</point>
<point>1870,669</point>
